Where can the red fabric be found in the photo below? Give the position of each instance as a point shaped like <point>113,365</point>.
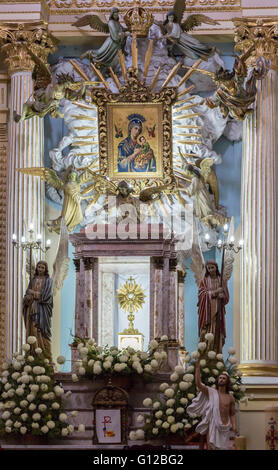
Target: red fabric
<point>204,304</point>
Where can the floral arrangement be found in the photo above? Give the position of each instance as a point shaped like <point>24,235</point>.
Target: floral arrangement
<point>31,401</point>
<point>168,414</point>
<point>108,361</point>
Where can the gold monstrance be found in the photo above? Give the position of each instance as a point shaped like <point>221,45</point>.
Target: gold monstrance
<point>130,298</point>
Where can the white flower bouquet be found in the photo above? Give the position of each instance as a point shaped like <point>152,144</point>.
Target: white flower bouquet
<point>98,361</point>
<point>167,412</point>
<point>31,401</point>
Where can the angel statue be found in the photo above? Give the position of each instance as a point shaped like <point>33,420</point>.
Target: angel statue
<point>235,95</point>
<point>213,292</point>
<point>175,31</point>
<point>38,299</point>
<point>70,184</point>
<point>105,55</point>
<point>205,203</point>
<point>47,95</point>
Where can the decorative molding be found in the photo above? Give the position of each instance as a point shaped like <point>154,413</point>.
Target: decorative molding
<point>76,262</point>
<point>263,32</point>
<point>158,262</point>
<point>16,38</point>
<point>88,263</point>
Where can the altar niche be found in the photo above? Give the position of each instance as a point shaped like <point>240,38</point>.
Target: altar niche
<point>157,259</point>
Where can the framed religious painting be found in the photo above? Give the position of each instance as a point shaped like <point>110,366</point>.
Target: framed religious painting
<point>135,138</point>
<point>135,133</point>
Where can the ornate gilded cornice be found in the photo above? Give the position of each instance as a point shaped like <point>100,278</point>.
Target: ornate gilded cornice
<point>262,32</point>
<point>165,4</point>
<point>14,37</point>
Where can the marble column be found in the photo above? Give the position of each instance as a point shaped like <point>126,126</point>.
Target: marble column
<point>259,204</point>
<point>3,208</point>
<point>181,277</point>
<point>88,302</point>
<point>25,194</point>
<point>158,300</point>
<point>74,352</point>
<point>106,316</point>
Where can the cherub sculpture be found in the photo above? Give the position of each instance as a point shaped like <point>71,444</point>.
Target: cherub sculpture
<point>175,31</point>
<point>105,55</point>
<point>235,95</point>
<point>213,292</point>
<point>71,187</point>
<point>47,94</point>
<point>204,203</point>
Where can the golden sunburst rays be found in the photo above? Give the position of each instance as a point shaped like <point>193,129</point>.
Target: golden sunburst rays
<point>131,298</point>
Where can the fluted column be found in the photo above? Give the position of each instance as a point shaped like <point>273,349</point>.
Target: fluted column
<point>259,268</point>
<point>25,194</point>
<point>173,321</point>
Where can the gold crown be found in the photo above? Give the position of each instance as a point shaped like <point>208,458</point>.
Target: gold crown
<point>138,21</point>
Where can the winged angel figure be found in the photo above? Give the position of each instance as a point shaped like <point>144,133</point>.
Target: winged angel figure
<point>175,30</point>
<point>105,55</point>
<point>213,292</point>
<point>47,95</point>
<point>71,187</point>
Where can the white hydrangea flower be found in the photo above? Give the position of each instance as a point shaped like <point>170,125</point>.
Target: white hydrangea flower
<point>30,359</point>
<point>183,385</point>
<point>202,346</point>
<point>44,429</point>
<point>219,357</point>
<point>242,388</point>
<point>190,368</point>
<point>220,365</point>
<point>188,377</point>
<point>63,417</point>
<point>169,411</point>
<point>190,396</point>
<point>211,380</point>
<point>232,360</point>
<point>188,426</point>
<point>64,432</point>
<point>235,387</point>
<point>16,365</point>
<point>170,402</point>
<point>148,368</point>
<point>184,401</point>
<point>140,434</point>
<point>158,414</point>
<point>195,354</point>
<point>97,369</point>
<point>163,387</point>
<point>15,375</point>
<point>147,402</point>
<point>24,416</point>
<point>215,372</point>
<point>158,423</point>
<point>174,428</point>
<point>17,424</point>
<point>209,337</point>
<point>174,377</point>
<point>6,415</point>
<point>165,425</point>
<point>81,428</point>
<point>36,417</point>
<point>180,410</point>
<point>140,419</point>
<point>55,406</point>
<point>38,350</point>
<point>32,407</point>
<point>154,364</point>
<point>203,363</point>
<point>74,378</point>
<point>35,425</point>
<point>61,359</point>
<point>155,431</point>
<point>42,407</point>
<point>50,424</point>
<point>70,428</point>
<point>156,405</point>
<point>169,392</point>
<point>24,403</point>
<point>26,347</point>
<point>153,344</point>
<point>17,411</point>
<point>31,340</point>
<point>132,436</point>
<point>58,391</point>
<point>179,370</point>
<point>212,354</point>
<point>171,419</point>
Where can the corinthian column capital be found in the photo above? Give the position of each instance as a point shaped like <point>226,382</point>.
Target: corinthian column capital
<point>22,41</point>
<point>262,33</point>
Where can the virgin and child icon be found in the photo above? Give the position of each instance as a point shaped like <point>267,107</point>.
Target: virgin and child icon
<point>134,152</point>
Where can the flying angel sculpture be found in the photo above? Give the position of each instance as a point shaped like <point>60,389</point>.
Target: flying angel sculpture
<point>175,30</point>
<point>105,55</point>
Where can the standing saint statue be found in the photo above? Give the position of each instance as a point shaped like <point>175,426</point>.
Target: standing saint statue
<point>37,308</point>
<point>213,295</point>
<point>213,292</point>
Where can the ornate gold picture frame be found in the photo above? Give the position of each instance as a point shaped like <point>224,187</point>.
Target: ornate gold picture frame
<point>139,157</point>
